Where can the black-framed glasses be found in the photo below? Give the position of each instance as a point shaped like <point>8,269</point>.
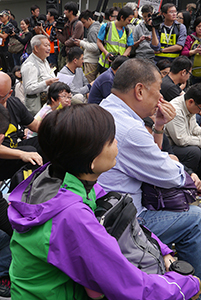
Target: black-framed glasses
<point>190,73</point>
<point>3,98</point>
<point>198,106</point>
<point>180,18</point>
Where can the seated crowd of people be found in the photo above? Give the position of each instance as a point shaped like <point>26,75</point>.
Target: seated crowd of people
<point>90,107</point>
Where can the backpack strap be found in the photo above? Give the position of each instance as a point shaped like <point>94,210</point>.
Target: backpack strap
<point>178,25</point>
<point>106,32</point>
<point>108,27</point>
<point>126,216</point>
<point>74,24</point>
<point>101,202</point>
<point>196,38</point>
<point>147,232</point>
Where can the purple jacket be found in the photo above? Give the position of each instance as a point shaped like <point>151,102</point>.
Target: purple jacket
<point>81,248</point>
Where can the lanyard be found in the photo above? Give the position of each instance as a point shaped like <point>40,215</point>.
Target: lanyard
<point>168,38</point>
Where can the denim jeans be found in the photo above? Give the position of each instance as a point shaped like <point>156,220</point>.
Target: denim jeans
<point>181,228</point>
<point>5,253</point>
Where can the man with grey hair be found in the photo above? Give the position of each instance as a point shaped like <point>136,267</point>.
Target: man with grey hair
<point>36,73</point>
<point>134,6</point>
<point>134,97</point>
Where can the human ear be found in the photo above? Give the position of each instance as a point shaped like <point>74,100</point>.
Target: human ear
<point>93,164</point>
<point>138,91</point>
<point>183,72</point>
<point>36,49</point>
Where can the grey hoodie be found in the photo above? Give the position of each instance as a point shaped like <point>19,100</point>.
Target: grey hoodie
<point>144,49</point>
<point>91,51</point>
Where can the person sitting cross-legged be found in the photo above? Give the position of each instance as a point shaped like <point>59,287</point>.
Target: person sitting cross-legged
<point>183,131</point>
<point>15,151</point>
<point>102,85</point>
<point>173,82</point>
<point>5,227</point>
<point>79,86</point>
<point>59,96</point>
<point>134,96</point>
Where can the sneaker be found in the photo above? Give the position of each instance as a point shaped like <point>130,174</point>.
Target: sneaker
<point>5,287</point>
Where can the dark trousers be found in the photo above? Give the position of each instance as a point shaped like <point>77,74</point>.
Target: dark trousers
<point>8,167</point>
<point>6,61</point>
<point>190,156</point>
<point>4,222</point>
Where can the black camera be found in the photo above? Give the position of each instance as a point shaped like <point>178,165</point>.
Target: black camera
<point>182,267</point>
<point>11,30</point>
<point>156,20</point>
<point>60,23</point>
<point>113,57</point>
<point>41,22</point>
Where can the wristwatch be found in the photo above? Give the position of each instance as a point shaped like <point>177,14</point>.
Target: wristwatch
<point>157,131</point>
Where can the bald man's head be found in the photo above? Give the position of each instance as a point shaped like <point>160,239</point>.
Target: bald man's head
<point>5,88</point>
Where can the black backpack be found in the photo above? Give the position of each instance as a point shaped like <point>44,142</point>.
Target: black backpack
<point>117,213</point>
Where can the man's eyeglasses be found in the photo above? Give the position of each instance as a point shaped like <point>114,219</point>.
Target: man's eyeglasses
<point>3,98</point>
<point>198,106</point>
<point>66,96</point>
<point>173,12</point>
<point>188,72</point>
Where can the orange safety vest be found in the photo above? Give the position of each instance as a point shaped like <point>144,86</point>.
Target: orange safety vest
<point>52,44</point>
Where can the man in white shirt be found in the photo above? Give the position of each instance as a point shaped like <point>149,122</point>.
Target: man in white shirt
<point>36,73</point>
<point>183,131</point>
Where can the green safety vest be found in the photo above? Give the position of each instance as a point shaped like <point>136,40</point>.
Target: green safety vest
<point>114,44</point>
<point>196,59</point>
<point>172,40</point>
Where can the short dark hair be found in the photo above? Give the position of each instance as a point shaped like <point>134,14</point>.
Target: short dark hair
<point>34,7</point>
<point>78,134</point>
<point>181,63</point>
<point>196,22</point>
<point>74,52</point>
<point>112,9</point>
<point>42,17</point>
<point>166,6</point>
<point>194,92</point>
<point>191,6</point>
<point>163,64</point>
<point>15,69</point>
<point>147,8</point>
<point>55,89</point>
<point>4,119</point>
<point>86,14</point>
<point>125,12</point>
<point>71,6</point>
<point>107,14</point>
<point>136,70</point>
<point>118,61</point>
<point>26,21</point>
<point>53,12</point>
